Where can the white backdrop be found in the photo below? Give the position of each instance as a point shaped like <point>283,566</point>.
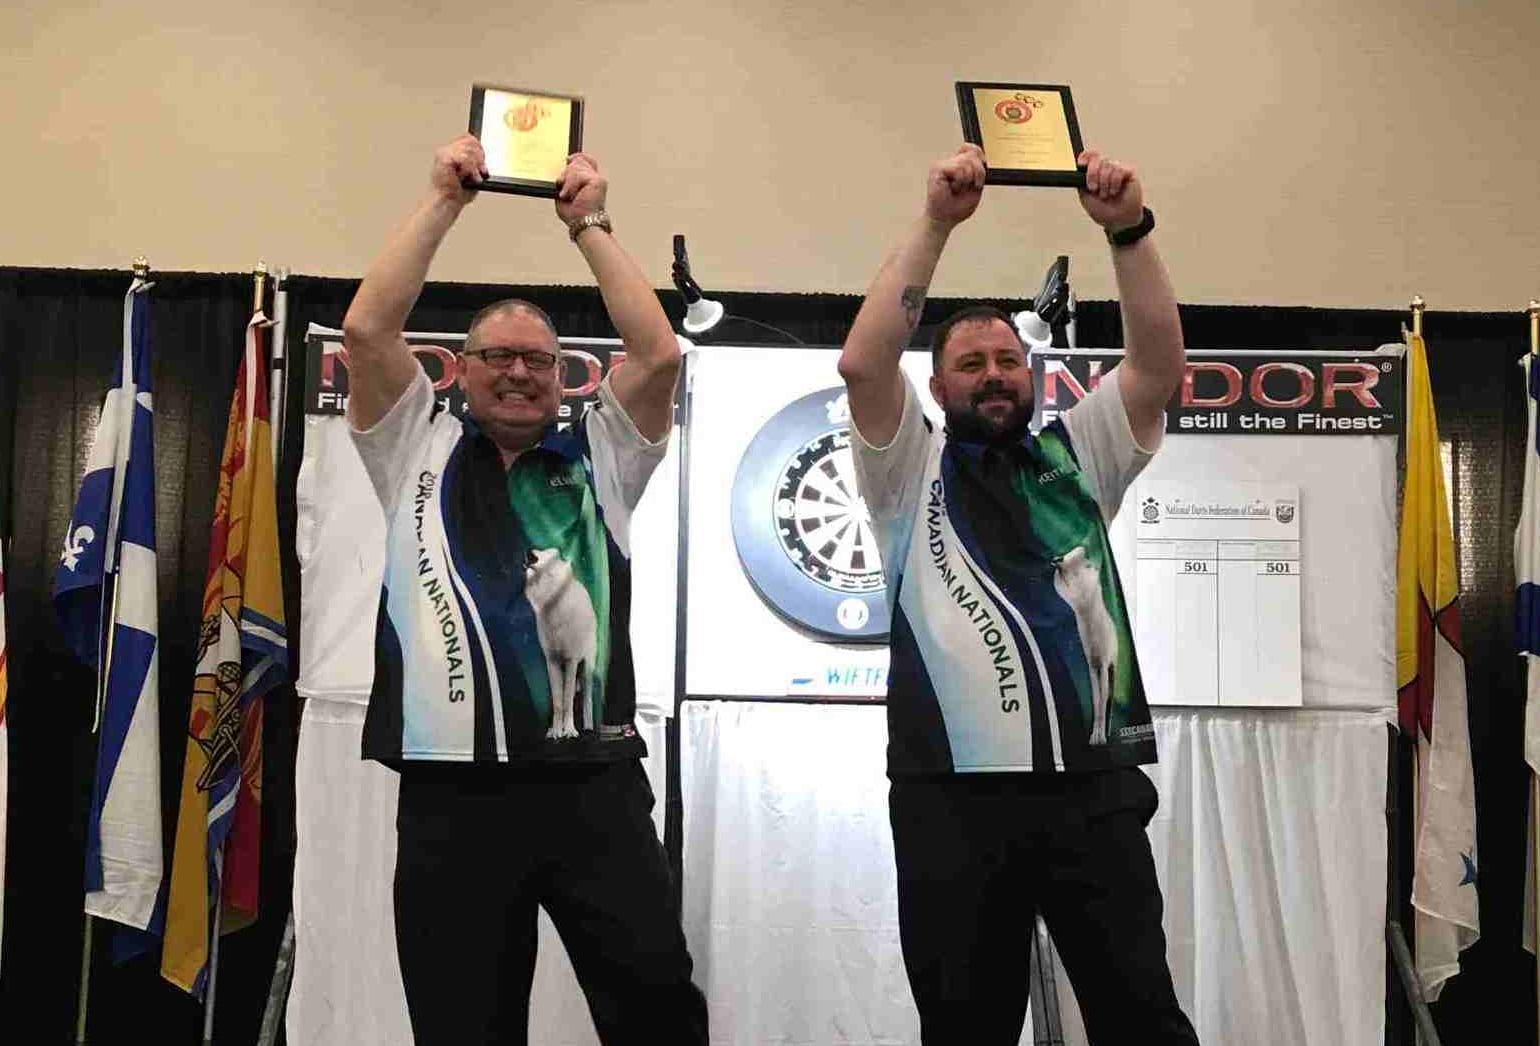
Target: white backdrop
<point>1347,518</point>
<point>1270,843</point>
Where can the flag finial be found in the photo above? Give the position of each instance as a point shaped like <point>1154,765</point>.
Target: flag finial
<point>1418,305</point>
<point>259,274</point>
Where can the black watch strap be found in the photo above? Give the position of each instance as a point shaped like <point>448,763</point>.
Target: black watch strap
<point>1134,233</point>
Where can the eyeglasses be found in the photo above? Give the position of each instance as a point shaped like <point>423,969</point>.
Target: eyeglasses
<point>535,360</point>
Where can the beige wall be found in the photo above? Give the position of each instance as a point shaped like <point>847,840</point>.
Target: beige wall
<point>1332,152</point>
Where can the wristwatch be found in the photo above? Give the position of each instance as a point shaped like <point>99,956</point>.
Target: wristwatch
<point>1134,233</point>
<point>598,219</point>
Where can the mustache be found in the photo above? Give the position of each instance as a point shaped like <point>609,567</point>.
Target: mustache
<point>994,390</point>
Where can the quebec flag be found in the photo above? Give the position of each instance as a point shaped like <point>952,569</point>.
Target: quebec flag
<point>105,596</point>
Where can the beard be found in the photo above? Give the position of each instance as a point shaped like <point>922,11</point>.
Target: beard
<point>972,425</point>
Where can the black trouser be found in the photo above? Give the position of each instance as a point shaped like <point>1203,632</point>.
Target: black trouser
<point>481,847</point>
<point>979,855</point>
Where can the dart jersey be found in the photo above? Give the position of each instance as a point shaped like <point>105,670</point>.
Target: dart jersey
<point>1011,645</point>
<point>503,629</point>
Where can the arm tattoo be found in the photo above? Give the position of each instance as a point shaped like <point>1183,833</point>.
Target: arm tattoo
<point>913,300</point>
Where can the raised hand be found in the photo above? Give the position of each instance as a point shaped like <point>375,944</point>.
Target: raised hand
<point>1113,196</point>
<point>955,186</point>
<point>581,189</point>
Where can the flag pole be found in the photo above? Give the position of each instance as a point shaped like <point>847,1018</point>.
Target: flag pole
<point>1418,305</point>
<point>85,945</point>
<point>219,914</point>
<point>85,984</point>
<point>278,371</point>
<point>141,271</point>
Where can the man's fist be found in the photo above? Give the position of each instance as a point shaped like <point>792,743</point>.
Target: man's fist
<point>955,185</point>
<point>581,189</point>
<point>1113,196</point>
<point>458,168</point>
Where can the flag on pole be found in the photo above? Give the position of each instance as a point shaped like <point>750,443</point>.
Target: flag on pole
<point>1526,567</point>
<point>242,655</point>
<point>1526,564</point>
<point>1430,676</point>
<point>5,770</point>
<point>105,596</point>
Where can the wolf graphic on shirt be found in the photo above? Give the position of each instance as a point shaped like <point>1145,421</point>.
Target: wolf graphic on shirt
<point>569,635</point>
<point>1078,583</point>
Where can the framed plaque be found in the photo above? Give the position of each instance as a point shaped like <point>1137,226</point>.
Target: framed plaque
<point>1028,132</point>
<point>527,136</point>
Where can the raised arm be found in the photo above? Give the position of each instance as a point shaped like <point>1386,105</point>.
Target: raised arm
<point>1154,354</point>
<point>645,384</point>
<point>891,311</point>
<point>380,366</point>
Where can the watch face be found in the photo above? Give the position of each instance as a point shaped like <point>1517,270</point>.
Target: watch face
<point>801,528</point>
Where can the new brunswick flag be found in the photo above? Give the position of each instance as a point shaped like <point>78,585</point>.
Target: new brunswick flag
<point>1430,677</point>
<point>242,654</point>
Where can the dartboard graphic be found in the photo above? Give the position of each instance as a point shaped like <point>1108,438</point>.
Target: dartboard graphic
<point>802,531</point>
<point>821,519</point>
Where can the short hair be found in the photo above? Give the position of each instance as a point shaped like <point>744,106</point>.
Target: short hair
<point>970,314</point>
<point>497,308</point>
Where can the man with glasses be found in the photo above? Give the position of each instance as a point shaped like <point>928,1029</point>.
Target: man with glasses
<point>1016,718</point>
<point>503,688</point>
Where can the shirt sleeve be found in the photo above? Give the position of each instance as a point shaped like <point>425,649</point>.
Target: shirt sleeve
<point>1103,441</point>
<point>623,461</point>
<point>390,445</point>
<point>889,476</point>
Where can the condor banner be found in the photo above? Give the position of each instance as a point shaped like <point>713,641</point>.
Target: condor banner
<point>1243,393</point>
<point>784,592</point>
<point>585,362</point>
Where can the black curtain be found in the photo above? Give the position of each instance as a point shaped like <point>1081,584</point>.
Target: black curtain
<point>59,334</point>
<point>1479,393</point>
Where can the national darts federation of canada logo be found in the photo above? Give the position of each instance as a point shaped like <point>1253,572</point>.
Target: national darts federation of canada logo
<point>1284,510</point>
<point>801,529</point>
<point>1018,108</point>
<point>1149,512</point>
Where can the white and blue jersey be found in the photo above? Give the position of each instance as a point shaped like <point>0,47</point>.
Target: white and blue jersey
<point>503,632</point>
<point>1010,642</point>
